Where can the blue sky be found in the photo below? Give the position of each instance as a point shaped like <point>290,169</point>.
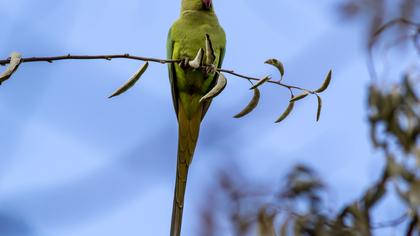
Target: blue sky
<point>75,163</point>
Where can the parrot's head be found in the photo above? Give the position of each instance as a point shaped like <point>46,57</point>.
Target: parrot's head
<point>200,5</point>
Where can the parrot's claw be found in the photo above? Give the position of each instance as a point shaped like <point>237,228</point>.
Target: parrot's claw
<point>210,69</point>
<point>185,63</point>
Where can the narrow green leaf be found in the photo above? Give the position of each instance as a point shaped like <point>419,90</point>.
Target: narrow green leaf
<point>261,82</point>
<point>251,105</point>
<point>326,83</point>
<point>276,63</point>
<point>286,112</point>
<point>318,113</point>
<point>15,60</point>
<point>130,83</point>
<point>217,89</point>
<point>196,63</point>
<point>210,56</point>
<point>300,96</point>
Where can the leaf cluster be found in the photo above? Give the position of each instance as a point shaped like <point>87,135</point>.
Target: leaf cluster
<point>293,98</point>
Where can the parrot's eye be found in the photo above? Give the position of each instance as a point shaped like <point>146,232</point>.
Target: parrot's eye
<point>207,4</point>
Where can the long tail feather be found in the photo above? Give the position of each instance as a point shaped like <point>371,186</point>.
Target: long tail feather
<point>187,139</point>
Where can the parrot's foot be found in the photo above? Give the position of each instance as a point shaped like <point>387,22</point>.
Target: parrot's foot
<point>185,63</point>
<point>210,69</point>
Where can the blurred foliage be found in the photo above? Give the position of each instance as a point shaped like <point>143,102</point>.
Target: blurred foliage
<point>300,207</point>
<point>376,13</point>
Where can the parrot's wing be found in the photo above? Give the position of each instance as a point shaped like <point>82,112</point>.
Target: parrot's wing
<point>206,104</point>
<point>171,66</point>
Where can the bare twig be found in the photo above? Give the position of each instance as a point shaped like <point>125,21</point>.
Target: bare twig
<point>380,31</point>
<point>391,23</point>
<point>269,81</point>
<point>94,57</point>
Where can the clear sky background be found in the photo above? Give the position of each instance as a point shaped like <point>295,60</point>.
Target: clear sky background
<point>75,163</point>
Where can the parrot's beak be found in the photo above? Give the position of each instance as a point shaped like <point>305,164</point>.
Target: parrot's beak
<point>207,4</point>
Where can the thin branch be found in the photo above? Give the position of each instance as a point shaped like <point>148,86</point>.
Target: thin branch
<point>138,58</point>
<point>391,23</point>
<point>270,81</point>
<point>95,57</point>
<point>379,31</point>
<point>206,68</point>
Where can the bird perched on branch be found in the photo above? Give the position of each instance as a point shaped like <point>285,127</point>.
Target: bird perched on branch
<point>198,39</point>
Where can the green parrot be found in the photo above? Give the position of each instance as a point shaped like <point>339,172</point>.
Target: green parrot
<point>186,37</point>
